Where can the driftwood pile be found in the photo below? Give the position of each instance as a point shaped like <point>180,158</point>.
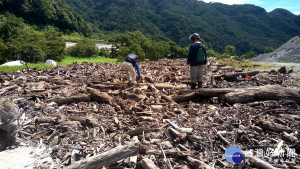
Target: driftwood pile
<point>87,116</point>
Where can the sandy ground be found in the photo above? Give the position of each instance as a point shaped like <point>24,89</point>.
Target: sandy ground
<point>294,66</point>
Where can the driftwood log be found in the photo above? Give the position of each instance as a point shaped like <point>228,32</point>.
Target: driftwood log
<point>99,97</point>
<point>233,76</point>
<point>68,100</point>
<point>108,157</point>
<point>243,95</point>
<point>9,114</point>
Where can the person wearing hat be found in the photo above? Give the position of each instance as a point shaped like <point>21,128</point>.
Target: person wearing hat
<point>128,65</point>
<point>197,60</point>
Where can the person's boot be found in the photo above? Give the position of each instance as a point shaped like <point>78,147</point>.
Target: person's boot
<point>200,84</point>
<point>193,86</point>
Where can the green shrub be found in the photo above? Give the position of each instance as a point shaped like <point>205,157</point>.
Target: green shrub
<point>84,48</point>
<point>104,52</point>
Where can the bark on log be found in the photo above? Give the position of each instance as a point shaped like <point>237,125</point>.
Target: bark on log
<point>108,157</point>
<point>272,126</point>
<point>6,89</point>
<point>258,162</point>
<point>148,164</point>
<point>68,100</point>
<point>204,92</point>
<point>233,76</point>
<point>198,163</point>
<point>243,95</point>
<point>138,131</point>
<point>9,114</point>
<point>99,96</point>
<point>40,94</point>
<point>269,92</point>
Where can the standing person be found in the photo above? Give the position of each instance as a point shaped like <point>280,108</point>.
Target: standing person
<point>128,65</point>
<point>197,60</point>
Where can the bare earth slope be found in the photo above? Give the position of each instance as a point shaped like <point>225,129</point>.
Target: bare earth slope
<point>288,52</point>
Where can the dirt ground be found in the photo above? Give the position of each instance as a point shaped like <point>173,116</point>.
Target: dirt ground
<point>294,66</point>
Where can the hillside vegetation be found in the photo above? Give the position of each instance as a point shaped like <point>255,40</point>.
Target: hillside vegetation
<point>247,27</point>
<point>48,12</point>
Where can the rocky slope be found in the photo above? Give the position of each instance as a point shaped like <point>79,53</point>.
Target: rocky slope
<point>288,52</point>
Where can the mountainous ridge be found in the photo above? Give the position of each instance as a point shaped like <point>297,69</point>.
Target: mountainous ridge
<point>45,13</point>
<point>247,27</point>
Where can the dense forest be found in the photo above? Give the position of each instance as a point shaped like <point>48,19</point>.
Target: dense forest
<point>247,27</point>
<point>43,13</point>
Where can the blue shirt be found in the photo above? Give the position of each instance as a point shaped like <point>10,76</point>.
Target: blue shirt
<point>132,58</point>
<point>194,48</point>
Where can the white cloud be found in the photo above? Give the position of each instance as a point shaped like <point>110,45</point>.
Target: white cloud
<point>230,2</point>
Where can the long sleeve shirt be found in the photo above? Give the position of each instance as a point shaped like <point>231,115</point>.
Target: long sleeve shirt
<point>194,48</point>
<point>132,59</point>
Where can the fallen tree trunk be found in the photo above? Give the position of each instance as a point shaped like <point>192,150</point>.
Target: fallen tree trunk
<point>269,92</point>
<point>201,93</point>
<point>6,89</point>
<point>243,95</point>
<point>68,100</point>
<point>108,157</point>
<point>100,97</point>
<point>233,76</point>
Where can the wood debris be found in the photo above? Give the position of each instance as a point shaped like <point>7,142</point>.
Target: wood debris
<point>87,117</point>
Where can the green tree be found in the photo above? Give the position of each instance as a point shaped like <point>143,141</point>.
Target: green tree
<point>84,48</point>
<point>229,51</point>
<point>3,50</point>
<point>9,26</point>
<point>248,55</point>
<point>268,49</point>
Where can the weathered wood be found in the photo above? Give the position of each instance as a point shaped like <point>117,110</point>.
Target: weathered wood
<point>269,92</point>
<point>243,95</point>
<point>257,162</point>
<point>100,97</point>
<point>148,164</point>
<point>83,121</point>
<point>139,131</point>
<point>203,92</point>
<point>6,89</point>
<point>41,94</point>
<point>177,134</point>
<point>45,120</point>
<point>71,99</point>
<point>272,126</point>
<point>108,157</point>
<point>198,164</point>
<point>288,137</point>
<point>9,114</point>
<point>233,76</point>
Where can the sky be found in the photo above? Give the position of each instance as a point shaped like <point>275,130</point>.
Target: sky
<point>291,5</point>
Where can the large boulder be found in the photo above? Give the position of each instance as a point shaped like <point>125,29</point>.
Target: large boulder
<point>9,114</point>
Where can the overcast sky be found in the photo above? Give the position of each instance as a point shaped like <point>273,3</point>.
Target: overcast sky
<point>269,5</point>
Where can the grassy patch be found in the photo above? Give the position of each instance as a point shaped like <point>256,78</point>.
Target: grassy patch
<point>244,64</point>
<point>98,59</point>
<point>30,65</point>
<point>67,61</point>
<point>291,67</point>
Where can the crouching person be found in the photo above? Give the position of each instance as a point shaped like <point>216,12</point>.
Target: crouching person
<point>197,60</point>
<point>128,65</point>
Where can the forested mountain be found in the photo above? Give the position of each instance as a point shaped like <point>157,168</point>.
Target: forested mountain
<point>48,12</point>
<point>247,27</point>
